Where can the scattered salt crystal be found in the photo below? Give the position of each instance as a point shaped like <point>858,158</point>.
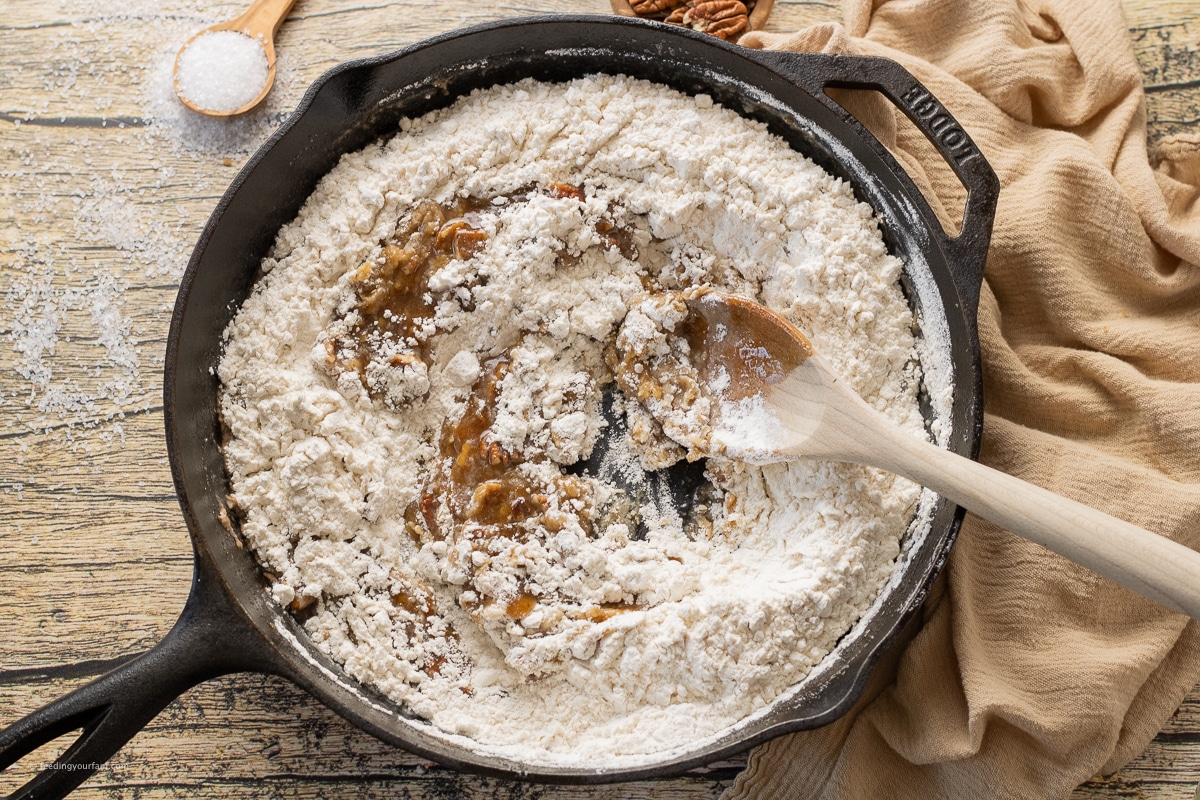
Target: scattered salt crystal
<point>66,327</point>
<point>222,70</point>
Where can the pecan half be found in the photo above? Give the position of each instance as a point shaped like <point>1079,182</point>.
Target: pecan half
<point>724,19</point>
<point>648,8</point>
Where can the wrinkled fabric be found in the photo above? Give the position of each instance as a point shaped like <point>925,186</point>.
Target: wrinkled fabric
<point>1030,674</point>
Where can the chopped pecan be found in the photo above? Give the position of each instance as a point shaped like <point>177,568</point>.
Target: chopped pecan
<point>405,359</point>
<point>565,190</point>
<point>495,454</point>
<point>724,19</point>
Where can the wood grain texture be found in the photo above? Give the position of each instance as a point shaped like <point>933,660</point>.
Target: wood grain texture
<point>103,190</point>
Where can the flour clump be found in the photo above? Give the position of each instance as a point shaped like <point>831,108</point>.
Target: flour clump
<point>438,470</point>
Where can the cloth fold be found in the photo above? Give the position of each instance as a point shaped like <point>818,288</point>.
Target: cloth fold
<point>1030,674</point>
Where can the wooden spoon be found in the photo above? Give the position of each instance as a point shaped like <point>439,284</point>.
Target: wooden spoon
<point>819,416</point>
<point>260,22</point>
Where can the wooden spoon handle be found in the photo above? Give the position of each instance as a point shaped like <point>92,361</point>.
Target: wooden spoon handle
<point>264,17</point>
<point>1149,564</point>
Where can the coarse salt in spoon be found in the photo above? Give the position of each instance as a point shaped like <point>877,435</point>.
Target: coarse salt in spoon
<point>727,376</point>
<point>228,68</point>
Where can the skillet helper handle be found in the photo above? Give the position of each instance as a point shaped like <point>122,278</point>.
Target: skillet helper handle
<point>967,252</point>
<point>205,642</point>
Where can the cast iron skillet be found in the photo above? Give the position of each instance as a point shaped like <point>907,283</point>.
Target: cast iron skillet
<point>229,624</point>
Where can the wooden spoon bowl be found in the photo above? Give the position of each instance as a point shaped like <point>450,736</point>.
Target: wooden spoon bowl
<point>260,22</point>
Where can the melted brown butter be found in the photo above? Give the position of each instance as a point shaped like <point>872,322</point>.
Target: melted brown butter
<point>480,494</point>
<point>390,320</point>
<point>477,492</point>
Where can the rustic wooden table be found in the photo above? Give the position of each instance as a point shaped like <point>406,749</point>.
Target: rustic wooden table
<point>104,184</point>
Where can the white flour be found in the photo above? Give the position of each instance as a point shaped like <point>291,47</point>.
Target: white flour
<point>573,636</point>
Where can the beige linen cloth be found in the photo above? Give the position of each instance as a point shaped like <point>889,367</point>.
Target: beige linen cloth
<point>1031,675</point>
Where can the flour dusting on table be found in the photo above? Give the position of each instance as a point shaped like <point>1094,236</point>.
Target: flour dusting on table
<point>407,465</point>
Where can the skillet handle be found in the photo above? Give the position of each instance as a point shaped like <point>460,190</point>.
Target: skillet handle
<point>208,640</point>
<point>967,252</point>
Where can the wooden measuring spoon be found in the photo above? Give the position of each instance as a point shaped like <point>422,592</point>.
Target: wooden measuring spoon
<point>819,416</point>
<point>260,22</point>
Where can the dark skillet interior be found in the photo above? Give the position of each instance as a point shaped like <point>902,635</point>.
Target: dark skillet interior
<point>358,103</point>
